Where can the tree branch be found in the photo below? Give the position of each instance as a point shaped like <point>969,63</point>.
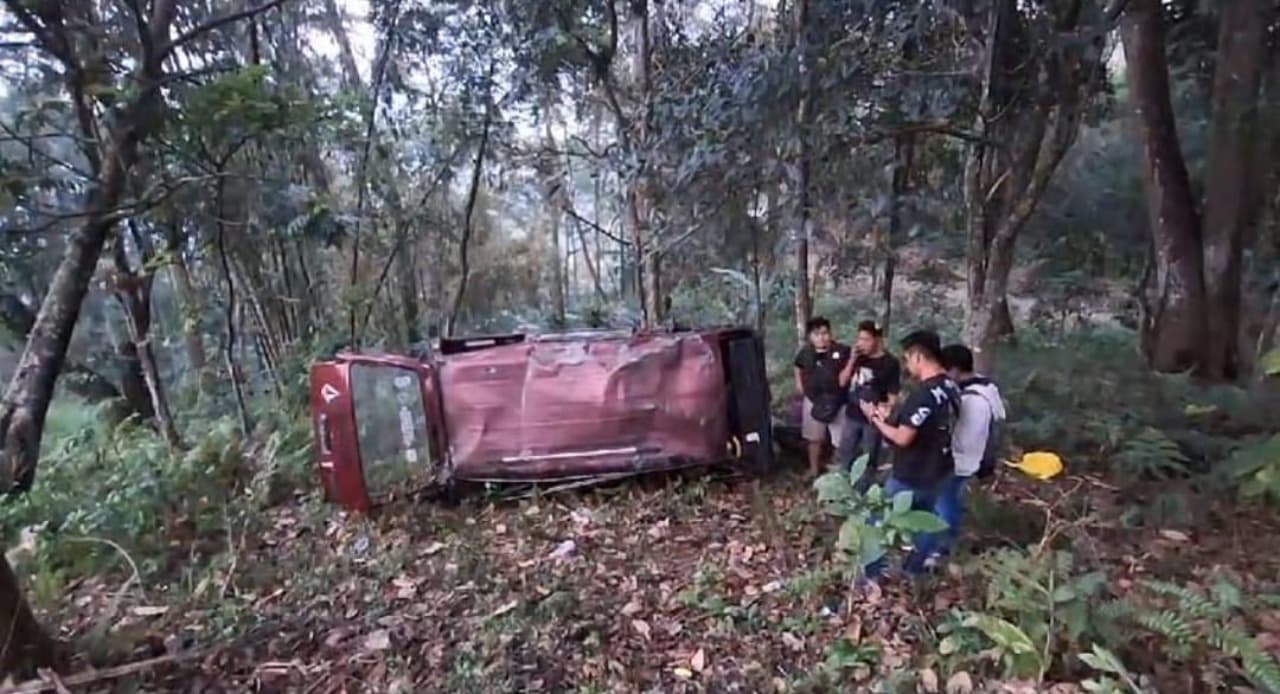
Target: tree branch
<point>214,24</point>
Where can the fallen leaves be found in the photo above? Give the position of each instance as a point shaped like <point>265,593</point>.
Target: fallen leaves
<point>642,628</point>
<point>376,641</point>
<point>960,683</point>
<point>699,661</point>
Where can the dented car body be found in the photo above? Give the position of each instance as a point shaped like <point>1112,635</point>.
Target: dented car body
<point>534,408</point>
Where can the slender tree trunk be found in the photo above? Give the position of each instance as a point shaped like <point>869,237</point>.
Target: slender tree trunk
<point>1173,336</point>
<point>899,187</point>
<point>553,192</point>
<point>802,230</point>
<point>230,337</point>
<point>190,307</point>
<point>133,291</point>
<point>1230,202</point>
<point>640,208</point>
<point>464,243</point>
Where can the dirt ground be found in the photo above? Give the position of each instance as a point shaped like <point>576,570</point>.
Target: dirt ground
<point>695,582</point>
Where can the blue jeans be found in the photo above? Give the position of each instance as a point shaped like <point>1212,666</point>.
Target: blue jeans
<point>924,545</point>
<point>859,436</point>
<point>950,506</point>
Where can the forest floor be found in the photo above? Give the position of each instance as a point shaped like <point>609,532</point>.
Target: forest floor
<point>695,582</point>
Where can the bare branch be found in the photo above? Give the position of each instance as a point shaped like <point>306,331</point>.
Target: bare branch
<point>216,23</point>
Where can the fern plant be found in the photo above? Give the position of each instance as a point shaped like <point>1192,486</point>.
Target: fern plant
<point>1039,607</point>
<point>1151,454</point>
<point>1205,626</point>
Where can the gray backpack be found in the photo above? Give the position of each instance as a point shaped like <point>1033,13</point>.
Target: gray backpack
<point>995,437</point>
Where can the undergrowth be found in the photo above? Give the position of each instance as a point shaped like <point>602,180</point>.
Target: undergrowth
<point>114,496</point>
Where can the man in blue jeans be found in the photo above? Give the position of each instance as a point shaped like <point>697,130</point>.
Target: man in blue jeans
<point>920,433</point>
<point>876,377</point>
<point>973,443</point>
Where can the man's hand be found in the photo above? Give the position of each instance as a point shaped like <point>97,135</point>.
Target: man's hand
<point>869,410</point>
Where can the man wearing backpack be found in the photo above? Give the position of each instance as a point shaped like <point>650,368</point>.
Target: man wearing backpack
<point>975,440</point>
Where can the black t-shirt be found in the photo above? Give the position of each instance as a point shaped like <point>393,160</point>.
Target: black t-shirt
<point>874,380</point>
<point>931,410</point>
<point>820,371</point>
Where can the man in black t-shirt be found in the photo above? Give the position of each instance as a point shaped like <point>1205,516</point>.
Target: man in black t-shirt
<point>920,433</point>
<point>823,368</point>
<point>876,378</point>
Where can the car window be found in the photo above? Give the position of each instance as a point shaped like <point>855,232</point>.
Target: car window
<point>391,428</point>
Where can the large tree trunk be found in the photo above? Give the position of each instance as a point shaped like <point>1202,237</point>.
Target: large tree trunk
<point>1230,201</point>
<point>18,318</point>
<point>25,645</point>
<point>802,230</point>
<point>1173,333</point>
<point>1032,103</point>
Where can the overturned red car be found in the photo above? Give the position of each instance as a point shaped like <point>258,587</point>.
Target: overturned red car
<point>539,408</point>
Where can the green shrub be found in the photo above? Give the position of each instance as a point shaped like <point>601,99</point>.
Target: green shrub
<point>120,484</point>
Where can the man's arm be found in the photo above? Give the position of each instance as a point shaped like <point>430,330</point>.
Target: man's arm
<point>799,380</point>
<point>900,435</point>
<point>846,374</point>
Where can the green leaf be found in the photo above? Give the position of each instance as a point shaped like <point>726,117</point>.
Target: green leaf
<point>948,646</point>
<point>859,467</point>
<point>1270,363</point>
<point>1103,660</point>
<point>920,522</point>
<point>902,502</point>
<point>1005,635</point>
<point>849,539</point>
<point>833,487</point>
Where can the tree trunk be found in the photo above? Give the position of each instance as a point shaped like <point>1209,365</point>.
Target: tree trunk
<point>133,291</point>
<point>640,207</point>
<point>553,192</point>
<point>230,336</point>
<point>899,187</point>
<point>190,307</point>
<point>25,646</point>
<point>802,230</point>
<point>1230,201</point>
<point>17,317</point>
<point>464,243</point>
<point>1173,334</point>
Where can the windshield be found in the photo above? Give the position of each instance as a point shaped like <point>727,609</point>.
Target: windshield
<point>391,428</point>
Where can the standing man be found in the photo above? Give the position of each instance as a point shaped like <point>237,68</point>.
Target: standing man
<point>920,433</point>
<point>823,369</point>
<point>877,379</point>
<point>974,442</point>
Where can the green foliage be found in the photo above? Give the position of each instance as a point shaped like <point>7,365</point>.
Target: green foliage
<point>1039,610</point>
<point>1151,454</point>
<point>1202,627</point>
<point>120,484</point>
<point>872,523</point>
<point>1255,467</point>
